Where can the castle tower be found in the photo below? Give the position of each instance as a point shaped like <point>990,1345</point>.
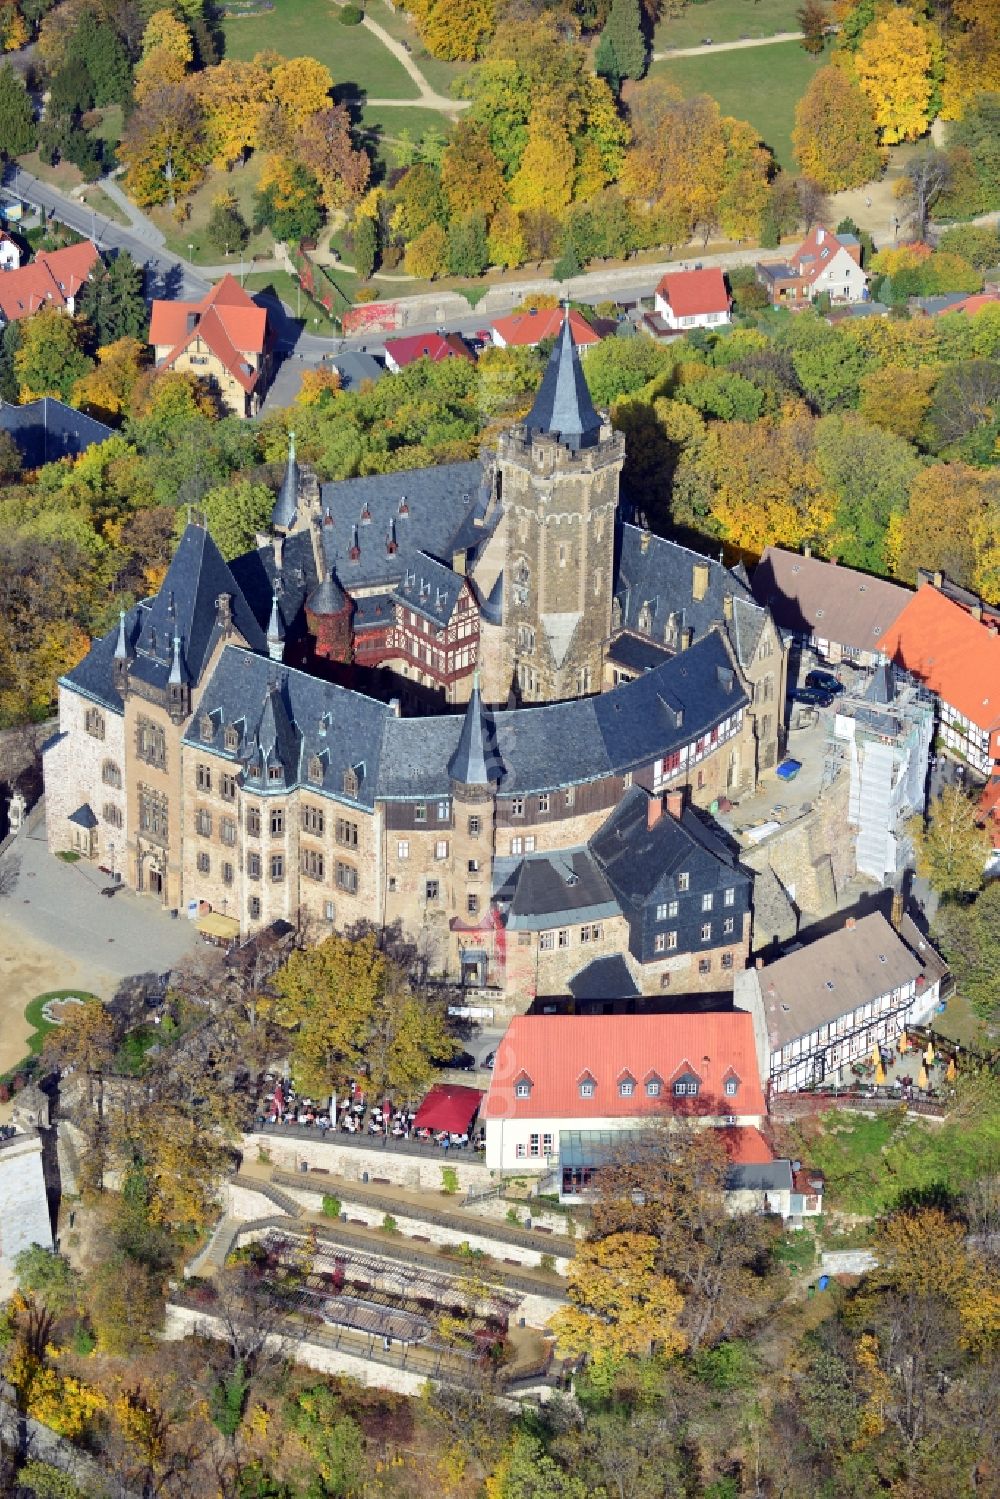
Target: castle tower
<point>558,478</point>
<point>475,770</point>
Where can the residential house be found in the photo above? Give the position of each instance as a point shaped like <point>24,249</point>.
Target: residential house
<point>842,614</point>
<point>526,329</point>
<point>957,657</point>
<point>886,735</point>
<point>693,299</point>
<point>828,1004</point>
<point>400,352</point>
<point>52,279</point>
<point>605,1074</point>
<point>10,252</point>
<point>46,430</point>
<point>225,339</point>
<point>824,262</point>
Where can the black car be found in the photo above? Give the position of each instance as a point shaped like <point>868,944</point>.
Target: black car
<point>812,697</point>
<point>825,681</point>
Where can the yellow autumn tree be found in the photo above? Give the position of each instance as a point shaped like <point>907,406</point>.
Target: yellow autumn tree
<point>316,385</point>
<point>454,29</point>
<point>893,66</point>
<point>545,176</point>
<point>167,51</point>
<point>233,96</point>
<point>835,137</point>
<point>505,238</point>
<point>107,390</point>
<point>621,1305</point>
<point>972,55</point>
<point>301,87</point>
<point>427,255</point>
<point>897,399</point>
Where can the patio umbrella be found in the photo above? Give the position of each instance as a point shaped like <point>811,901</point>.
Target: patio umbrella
<point>922,1077</point>
<point>879,1074</point>
<point>929,1055</point>
<point>876,1054</point>
<point>952,1072</point>
<point>902,1042</point>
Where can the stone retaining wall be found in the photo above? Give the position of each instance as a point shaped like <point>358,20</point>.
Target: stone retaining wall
<point>420,1173</point>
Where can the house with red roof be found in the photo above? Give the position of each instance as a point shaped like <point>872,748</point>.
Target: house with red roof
<point>53,279</point>
<point>957,657</point>
<point>556,1075</point>
<point>400,352</point>
<point>693,299</point>
<point>526,329</point>
<point>824,262</point>
<point>988,297</point>
<point>225,338</point>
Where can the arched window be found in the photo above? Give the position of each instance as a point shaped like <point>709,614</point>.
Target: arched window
<point>111,774</point>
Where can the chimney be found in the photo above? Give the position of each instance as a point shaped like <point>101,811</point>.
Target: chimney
<point>759,964</point>
<point>896,915</point>
<point>850,924</point>
<point>976,610</point>
<point>687,637</point>
<point>224,612</point>
<point>727,606</point>
<point>939,580</point>
<point>675,803</point>
<point>644,543</point>
<point>699,581</point>
<point>820,235</point>
<point>394,707</point>
<point>654,811</point>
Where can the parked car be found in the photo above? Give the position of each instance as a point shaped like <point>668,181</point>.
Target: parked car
<point>490,1061</point>
<point>812,697</point>
<point>825,681</point>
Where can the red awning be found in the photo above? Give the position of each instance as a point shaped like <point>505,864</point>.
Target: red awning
<point>449,1106</point>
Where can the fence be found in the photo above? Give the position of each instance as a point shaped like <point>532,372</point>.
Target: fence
<point>378,1142</point>
<point>873,1099</point>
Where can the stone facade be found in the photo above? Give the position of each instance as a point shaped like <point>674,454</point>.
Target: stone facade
<point>85,765</point>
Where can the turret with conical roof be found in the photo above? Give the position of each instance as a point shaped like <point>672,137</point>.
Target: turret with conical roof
<point>563,407</point>
<point>275,630</point>
<point>476,761</point>
<point>329,612</point>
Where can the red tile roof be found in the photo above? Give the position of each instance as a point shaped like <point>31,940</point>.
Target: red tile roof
<point>691,293</point>
<point>529,328</point>
<point>973,304</point>
<point>816,251</point>
<point>746,1146</point>
<point>951,652</point>
<point>556,1052</point>
<point>50,280</point>
<point>432,346</point>
<point>227,320</point>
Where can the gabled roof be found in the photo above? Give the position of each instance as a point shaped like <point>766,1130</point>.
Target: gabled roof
<point>227,320</point>
<point>950,652</point>
<point>973,304</point>
<point>655,583</point>
<point>546,890</point>
<point>808,596</point>
<point>529,328</point>
<point>563,406</point>
<point>432,346</point>
<point>604,978</point>
<point>71,266</point>
<point>50,280</point>
<point>817,250</point>
<point>641,862</point>
<point>555,1051</point>
<point>47,429</point>
<point>692,293</point>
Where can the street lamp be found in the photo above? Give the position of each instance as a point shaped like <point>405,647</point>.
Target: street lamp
<point>191,255</point>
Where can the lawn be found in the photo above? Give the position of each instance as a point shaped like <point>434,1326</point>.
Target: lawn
<point>441,75</point>
<point>762,85</point>
<point>726,21</point>
<point>243,183</point>
<point>383,125</point>
<point>310,28</point>
<point>285,287</point>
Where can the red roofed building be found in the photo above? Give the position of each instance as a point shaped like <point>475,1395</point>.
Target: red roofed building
<point>53,279</point>
<point>957,657</point>
<point>693,299</point>
<point>225,338</point>
<point>399,352</point>
<point>824,262</point>
<point>558,1074</point>
<point>526,329</point>
<point>973,304</point>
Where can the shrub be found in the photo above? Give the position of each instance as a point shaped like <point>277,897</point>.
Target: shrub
<point>351,15</point>
<point>449,1180</point>
<point>331,1205</point>
<point>512,1216</point>
<point>548,1264</point>
<point>389,1224</point>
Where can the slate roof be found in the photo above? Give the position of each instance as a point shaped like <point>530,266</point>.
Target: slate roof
<point>810,597</point>
<point>84,817</point>
<point>373,611</point>
<point>660,573</point>
<point>640,861</point>
<point>301,716</point>
<point>287,502</point>
<point>832,976</point>
<point>476,761</point>
<point>435,502</point>
<point>327,598</point>
<point>604,978</point>
<point>429,587</point>
<point>563,405</point>
<point>355,369</point>
<point>545,890</point>
<point>47,429</point>
<point>637,654</point>
<point>563,744</point>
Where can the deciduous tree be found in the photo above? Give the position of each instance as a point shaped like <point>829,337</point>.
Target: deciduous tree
<point>936,534</point>
<point>301,86</point>
<point>235,513</point>
<point>471,175</point>
<point>969,935</point>
<point>813,20</point>
<point>50,359</point>
<point>893,65</point>
<point>621,1304</point>
<point>325,146</point>
<point>544,180</point>
<point>835,138</point>
<point>952,849</point>
<point>164,148</point>
<point>454,29</point>
<point>427,255</point>
<point>106,391</point>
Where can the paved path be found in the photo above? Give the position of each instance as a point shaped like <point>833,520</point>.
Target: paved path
<point>749,41</point>
<point>140,224</point>
<point>427,97</point>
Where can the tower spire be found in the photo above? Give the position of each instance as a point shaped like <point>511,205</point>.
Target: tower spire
<point>286,506</point>
<point>275,631</point>
<point>563,406</point>
<point>476,761</point>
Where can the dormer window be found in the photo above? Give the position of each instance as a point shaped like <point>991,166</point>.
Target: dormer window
<point>731,1087</point>
<point>314,770</point>
<point>588,1086</point>
<point>253,770</point>
<point>654,1085</point>
<point>275,773</point>
<point>231,738</point>
<point>626,1086</point>
<point>206,729</point>
<point>350,781</point>
<point>522,1088</point>
<point>686,1086</point>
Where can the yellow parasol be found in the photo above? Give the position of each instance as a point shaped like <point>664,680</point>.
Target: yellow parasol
<point>902,1042</point>
<point>952,1072</point>
<point>929,1055</point>
<point>879,1075</point>
<point>922,1078</point>
<point>876,1054</point>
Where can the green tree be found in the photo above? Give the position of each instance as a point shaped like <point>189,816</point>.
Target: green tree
<point>952,848</point>
<point>525,1471</point>
<point>112,301</point>
<point>977,243</point>
<point>870,472</point>
<point>332,1438</point>
<point>569,263</point>
<point>365,249</point>
<point>235,512</point>
<point>50,359</point>
<point>969,935</point>
<point>101,50</point>
<point>468,253</point>
<point>288,202</point>
<point>623,41</point>
<point>48,1277</point>
<point>17,122</point>
<point>227,230</point>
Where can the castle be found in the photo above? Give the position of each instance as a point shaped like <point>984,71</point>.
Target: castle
<point>233,747</point>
